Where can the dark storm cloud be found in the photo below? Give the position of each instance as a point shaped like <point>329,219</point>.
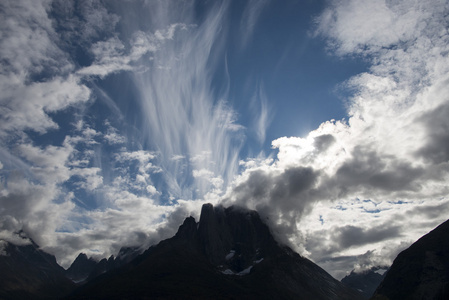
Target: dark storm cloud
<point>324,243</point>
<point>349,235</point>
<point>286,190</point>
<point>436,147</point>
<point>429,212</point>
<point>367,168</point>
<point>323,142</point>
<point>290,184</point>
<point>280,198</point>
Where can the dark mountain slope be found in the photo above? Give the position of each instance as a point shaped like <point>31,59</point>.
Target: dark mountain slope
<point>81,268</point>
<point>366,282</point>
<point>230,254</point>
<point>29,273</point>
<point>85,269</point>
<point>421,271</point>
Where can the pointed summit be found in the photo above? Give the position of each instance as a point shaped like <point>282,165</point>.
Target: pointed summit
<point>81,268</point>
<point>188,229</point>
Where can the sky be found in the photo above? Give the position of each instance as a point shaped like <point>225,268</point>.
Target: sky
<point>118,119</point>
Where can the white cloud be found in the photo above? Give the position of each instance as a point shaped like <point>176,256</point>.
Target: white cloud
<point>389,150</point>
<point>28,39</point>
<point>364,26</point>
<point>111,56</point>
<point>92,178</point>
<point>141,155</point>
<point>34,77</point>
<point>178,157</point>
<point>80,24</point>
<point>249,19</point>
<point>152,190</point>
<point>263,117</point>
<point>182,113</point>
<point>48,164</point>
<point>32,102</point>
<point>113,137</point>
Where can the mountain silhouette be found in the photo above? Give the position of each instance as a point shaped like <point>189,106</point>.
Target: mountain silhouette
<point>26,272</point>
<point>229,254</point>
<point>421,271</point>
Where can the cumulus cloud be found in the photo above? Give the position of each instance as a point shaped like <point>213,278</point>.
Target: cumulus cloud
<point>36,82</point>
<point>369,25</point>
<point>80,23</point>
<point>387,152</point>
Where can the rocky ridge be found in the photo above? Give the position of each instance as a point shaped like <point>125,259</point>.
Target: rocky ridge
<point>230,253</point>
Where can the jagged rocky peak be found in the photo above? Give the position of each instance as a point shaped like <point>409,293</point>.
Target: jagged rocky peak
<point>365,281</point>
<point>232,238</point>
<point>188,229</point>
<point>228,254</point>
<point>213,233</point>
<point>81,267</point>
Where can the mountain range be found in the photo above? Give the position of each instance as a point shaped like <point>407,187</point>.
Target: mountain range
<point>365,281</point>
<point>229,254</point>
<point>26,272</point>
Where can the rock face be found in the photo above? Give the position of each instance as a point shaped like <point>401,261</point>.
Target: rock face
<point>421,271</point>
<point>367,281</point>
<point>81,268</point>
<point>230,254</point>
<point>26,272</point>
<point>85,269</point>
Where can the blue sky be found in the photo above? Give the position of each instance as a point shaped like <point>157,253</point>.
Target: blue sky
<point>118,119</point>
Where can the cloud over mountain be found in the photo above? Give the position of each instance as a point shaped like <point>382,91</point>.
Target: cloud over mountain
<point>391,150</point>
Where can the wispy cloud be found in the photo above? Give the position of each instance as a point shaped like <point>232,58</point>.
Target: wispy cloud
<point>181,111</point>
<point>249,19</point>
<point>262,114</point>
<point>92,188</point>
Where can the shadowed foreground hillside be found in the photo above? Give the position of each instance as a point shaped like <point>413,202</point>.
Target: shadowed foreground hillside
<point>421,271</point>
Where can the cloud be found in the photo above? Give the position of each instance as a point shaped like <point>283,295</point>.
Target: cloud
<point>35,75</point>
<point>349,235</point>
<point>36,83</point>
<point>33,102</point>
<point>383,174</point>
<point>391,151</point>
<point>262,116</point>
<point>193,134</point>
<point>181,112</point>
<point>80,23</point>
<point>336,194</point>
<point>28,40</point>
<point>249,19</point>
<point>112,56</point>
<point>436,147</point>
<point>113,136</point>
<point>365,26</point>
